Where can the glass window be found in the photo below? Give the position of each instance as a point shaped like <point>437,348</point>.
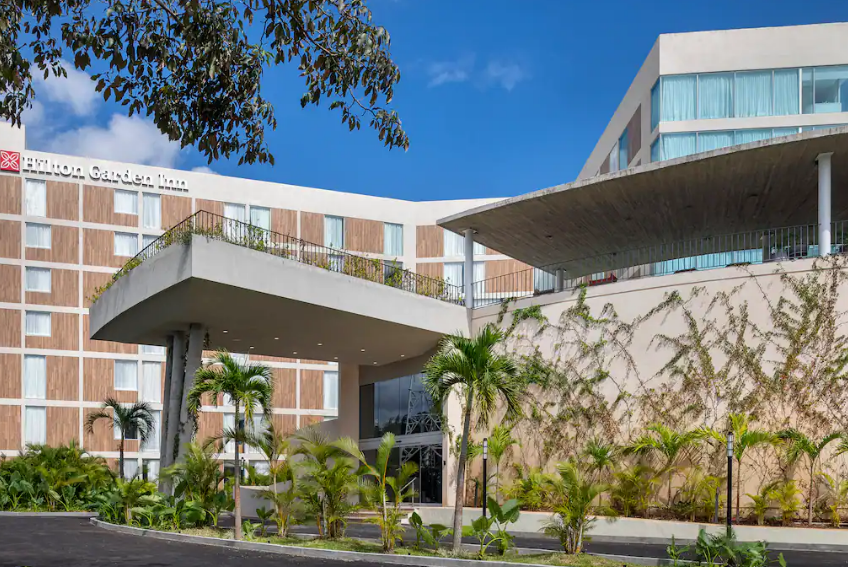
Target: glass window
<point>746,136</point>
<point>807,105</point>
<point>151,382</point>
<point>126,244</point>
<point>454,272</point>
<point>334,232</point>
<point>655,150</point>
<point>623,157</point>
<point>655,105</point>
<point>331,390</point>
<point>130,434</point>
<point>153,349</point>
<point>37,324</point>
<point>714,140</point>
<point>479,249</point>
<point>147,240</point>
<point>152,211</point>
<point>234,227</point>
<point>150,469</point>
<point>715,95</point>
<point>38,235</point>
<point>454,244</point>
<point>830,89</point>
<point>38,279</point>
<point>678,145</point>
<point>126,202</point>
<point>784,132</point>
<point>613,158</point>
<point>753,94</point>
<point>786,92</point>
<point>126,375</point>
<point>392,239</point>
<point>36,197</point>
<point>678,97</point>
<point>479,271</point>
<point>35,377</point>
<point>261,217</point>
<point>152,443</point>
<point>543,281</point>
<point>229,424</point>
<point>35,426</point>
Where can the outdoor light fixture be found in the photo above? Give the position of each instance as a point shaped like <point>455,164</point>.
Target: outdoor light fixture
<point>485,462</point>
<point>729,482</point>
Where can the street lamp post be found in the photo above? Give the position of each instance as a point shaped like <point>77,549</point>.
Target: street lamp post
<point>729,483</point>
<point>485,478</point>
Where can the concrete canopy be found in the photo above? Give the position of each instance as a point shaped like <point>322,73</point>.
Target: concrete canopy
<point>760,185</point>
<point>257,303</point>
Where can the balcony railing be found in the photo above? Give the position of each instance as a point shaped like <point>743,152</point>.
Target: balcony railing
<point>740,249</point>
<point>217,227</point>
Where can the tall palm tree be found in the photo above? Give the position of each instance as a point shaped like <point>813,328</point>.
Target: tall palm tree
<point>250,387</point>
<point>500,442</point>
<point>667,444</point>
<point>798,445</point>
<point>482,377</point>
<point>744,438</point>
<point>125,418</point>
<point>602,458</point>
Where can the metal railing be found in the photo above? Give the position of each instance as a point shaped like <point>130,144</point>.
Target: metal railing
<point>740,249</point>
<point>218,227</point>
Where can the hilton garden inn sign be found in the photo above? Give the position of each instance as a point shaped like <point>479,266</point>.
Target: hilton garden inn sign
<point>17,162</point>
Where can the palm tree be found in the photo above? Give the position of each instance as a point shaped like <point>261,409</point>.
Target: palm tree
<point>248,387</point>
<point>799,445</point>
<point>277,451</point>
<point>474,369</point>
<point>136,417</point>
<point>601,457</point>
<point>744,438</point>
<point>667,444</point>
<point>198,475</point>
<point>500,442</point>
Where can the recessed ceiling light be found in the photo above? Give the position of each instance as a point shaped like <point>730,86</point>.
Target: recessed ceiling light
<point>335,358</point>
<point>320,344</point>
<point>402,355</point>
<point>276,338</point>
<point>226,331</point>
<point>236,340</point>
<point>251,347</point>
<point>295,352</point>
<point>362,350</point>
<point>375,362</point>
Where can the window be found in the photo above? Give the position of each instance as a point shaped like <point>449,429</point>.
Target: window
<point>38,324</point>
<point>543,281</point>
<point>126,244</point>
<point>613,158</point>
<point>678,97</point>
<point>152,211</point>
<point>229,424</point>
<point>392,239</point>
<point>753,94</point>
<point>147,240</point>
<point>454,244</point>
<point>479,271</point>
<point>153,349</point>
<point>150,469</point>
<point>655,105</point>
<point>745,136</point>
<point>715,95</point>
<point>35,377</point>
<point>38,235</point>
<point>778,132</point>
<point>234,227</point>
<point>151,382</point>
<point>714,140</point>
<point>453,272</point>
<point>623,157</point>
<point>655,150</point>
<point>334,232</point>
<point>331,390</point>
<point>786,95</point>
<point>35,426</point>
<point>36,197</point>
<point>678,145</point>
<point>825,89</point>
<point>126,375</point>
<point>152,443</point>
<point>479,249</point>
<point>260,217</point>
<point>393,273</point>
<point>130,434</point>
<point>126,202</point>
<point>38,279</point>
<point>130,469</point>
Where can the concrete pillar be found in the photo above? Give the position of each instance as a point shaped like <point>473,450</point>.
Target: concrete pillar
<point>175,375</point>
<point>348,420</point>
<point>560,280</point>
<point>166,400</point>
<point>194,353</point>
<point>823,161</point>
<point>469,268</point>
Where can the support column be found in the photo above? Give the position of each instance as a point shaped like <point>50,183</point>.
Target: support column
<point>194,353</point>
<point>468,276</point>
<point>823,161</point>
<point>560,278</point>
<point>175,375</point>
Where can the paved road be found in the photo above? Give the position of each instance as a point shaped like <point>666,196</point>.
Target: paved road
<point>73,542</point>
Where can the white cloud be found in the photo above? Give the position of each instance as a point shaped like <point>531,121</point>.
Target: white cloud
<point>33,116</point>
<point>76,91</point>
<point>204,169</point>
<point>507,75</point>
<point>444,72</point>
<point>128,139</point>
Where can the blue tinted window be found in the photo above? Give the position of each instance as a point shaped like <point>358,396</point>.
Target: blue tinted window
<point>678,97</point>
<point>714,140</point>
<point>623,157</point>
<point>655,106</point>
<point>786,92</point>
<point>678,145</point>
<point>753,94</point>
<point>655,150</point>
<point>715,95</point>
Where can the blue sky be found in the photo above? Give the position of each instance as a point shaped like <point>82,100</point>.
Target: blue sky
<point>498,97</point>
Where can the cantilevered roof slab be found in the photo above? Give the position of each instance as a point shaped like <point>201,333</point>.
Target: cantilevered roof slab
<point>761,185</point>
<point>258,303</point>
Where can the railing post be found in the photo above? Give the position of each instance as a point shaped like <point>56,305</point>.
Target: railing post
<point>823,161</point>
<point>468,276</point>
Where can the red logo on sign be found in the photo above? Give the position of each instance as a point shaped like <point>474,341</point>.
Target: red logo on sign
<point>10,161</point>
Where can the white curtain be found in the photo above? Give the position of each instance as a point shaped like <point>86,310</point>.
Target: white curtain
<point>392,239</point>
<point>126,244</point>
<point>454,272</point>
<point>678,97</point>
<point>753,94</point>
<point>152,443</point>
<point>613,158</point>
<point>454,244</point>
<point>130,468</point>
<point>35,425</point>
<point>714,140</point>
<point>38,279</point>
<point>715,95</point>
<point>36,198</point>
<point>479,249</point>
<point>38,235</point>
<point>786,93</point>
<point>234,230</point>
<point>229,423</point>
<point>334,232</point>
<point>151,382</point>
<point>152,469</point>
<point>37,324</point>
<point>153,349</point>
<point>678,145</point>
<point>258,427</point>
<point>479,271</point>
<point>331,390</point>
<point>745,136</point>
<point>126,202</point>
<point>35,377</point>
<point>543,281</point>
<point>260,217</point>
<point>126,375</point>
<point>336,262</point>
<point>152,211</point>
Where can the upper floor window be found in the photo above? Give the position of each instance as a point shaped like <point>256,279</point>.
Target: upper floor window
<point>260,217</point>
<point>825,89</point>
<point>152,211</point>
<point>37,324</point>
<point>126,244</point>
<point>36,198</point>
<point>37,279</point>
<point>126,375</point>
<point>35,377</point>
<point>392,239</point>
<point>678,98</point>
<point>455,245</point>
<point>655,105</point>
<point>331,390</point>
<point>38,235</point>
<point>623,157</point>
<point>670,146</point>
<point>334,232</point>
<point>126,202</point>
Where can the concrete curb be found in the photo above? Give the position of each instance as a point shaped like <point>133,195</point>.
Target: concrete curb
<point>51,514</point>
<point>349,556</point>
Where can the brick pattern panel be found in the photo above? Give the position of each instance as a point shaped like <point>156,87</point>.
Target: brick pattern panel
<point>10,283</point>
<point>99,207</point>
<point>284,424</point>
<point>431,270</point>
<point>99,249</point>
<point>429,241</point>
<point>215,207</point>
<point>64,333</point>
<point>312,227</point>
<point>10,376</point>
<point>10,239</point>
<point>101,437</point>
<point>364,235</point>
<point>90,282</point>
<point>92,345</point>
<point>174,209</point>
<point>209,424</point>
<point>10,195</point>
<point>10,328</point>
<point>63,378</point>
<point>98,379</point>
<point>64,290</point>
<point>284,221</point>
<point>507,277</point>
<point>62,200</point>
<point>64,246</point>
<point>312,389</point>
<point>62,426</point>
<point>10,428</point>
<point>307,420</point>
<point>285,388</point>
